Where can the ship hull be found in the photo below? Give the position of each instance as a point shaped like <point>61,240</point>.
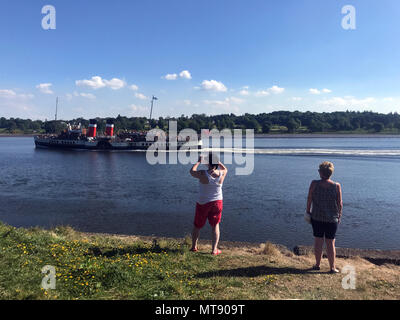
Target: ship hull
<point>104,145</point>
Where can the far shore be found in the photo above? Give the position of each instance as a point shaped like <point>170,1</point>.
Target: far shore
<point>18,135</point>
<point>326,135</point>
<point>270,135</point>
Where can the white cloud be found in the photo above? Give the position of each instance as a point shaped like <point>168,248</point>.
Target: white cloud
<point>226,105</point>
<point>187,102</point>
<point>226,102</point>
<point>235,100</point>
<point>14,104</point>
<point>134,87</point>
<point>314,91</point>
<point>244,92</point>
<point>317,91</point>
<point>26,96</point>
<point>185,74</point>
<point>297,98</point>
<point>139,110</point>
<point>115,84</point>
<point>276,90</point>
<point>262,93</point>
<point>272,90</point>
<point>97,82</point>
<point>5,93</point>
<point>172,76</point>
<point>140,96</point>
<point>88,95</point>
<point>11,94</point>
<point>388,99</point>
<point>347,102</point>
<point>45,88</point>
<point>213,85</point>
<point>216,102</point>
<point>135,107</point>
<point>69,96</point>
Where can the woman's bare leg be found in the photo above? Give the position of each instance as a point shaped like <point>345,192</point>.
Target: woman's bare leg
<point>215,238</point>
<point>195,237</point>
<point>331,252</point>
<point>318,244</point>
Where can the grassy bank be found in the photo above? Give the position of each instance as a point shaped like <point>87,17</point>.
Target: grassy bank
<point>90,266</point>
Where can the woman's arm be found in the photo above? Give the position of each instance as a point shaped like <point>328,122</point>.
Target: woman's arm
<point>194,172</point>
<point>339,200</point>
<point>309,198</point>
<point>222,167</point>
<point>224,171</point>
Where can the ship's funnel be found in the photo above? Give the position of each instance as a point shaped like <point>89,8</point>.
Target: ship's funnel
<point>92,128</point>
<point>110,127</point>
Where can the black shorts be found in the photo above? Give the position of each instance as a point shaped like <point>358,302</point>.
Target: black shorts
<point>324,229</point>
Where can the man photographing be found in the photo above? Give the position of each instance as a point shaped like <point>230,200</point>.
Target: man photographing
<point>210,202</point>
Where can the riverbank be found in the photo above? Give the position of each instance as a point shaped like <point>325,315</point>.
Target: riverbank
<point>326,135</point>
<point>99,266</point>
<point>275,135</point>
<point>19,135</point>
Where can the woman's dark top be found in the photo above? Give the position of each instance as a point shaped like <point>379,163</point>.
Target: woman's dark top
<point>324,203</point>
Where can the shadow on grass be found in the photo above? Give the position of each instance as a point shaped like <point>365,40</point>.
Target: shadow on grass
<point>104,252</point>
<point>255,271</point>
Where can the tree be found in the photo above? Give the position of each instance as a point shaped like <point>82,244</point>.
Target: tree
<point>266,127</point>
<point>292,125</point>
<point>55,127</point>
<point>378,127</point>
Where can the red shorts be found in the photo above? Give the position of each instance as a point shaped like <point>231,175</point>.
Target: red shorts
<point>211,210</point>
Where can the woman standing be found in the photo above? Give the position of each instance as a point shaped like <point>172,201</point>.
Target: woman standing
<point>209,205</point>
<point>325,206</point>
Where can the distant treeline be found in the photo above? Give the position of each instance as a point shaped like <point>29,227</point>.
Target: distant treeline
<point>275,122</point>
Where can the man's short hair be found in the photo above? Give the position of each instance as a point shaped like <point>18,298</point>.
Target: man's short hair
<point>213,160</point>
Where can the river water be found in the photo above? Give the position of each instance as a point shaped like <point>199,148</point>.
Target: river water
<point>120,192</point>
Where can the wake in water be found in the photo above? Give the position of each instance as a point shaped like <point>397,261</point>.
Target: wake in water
<point>305,151</point>
<point>290,151</point>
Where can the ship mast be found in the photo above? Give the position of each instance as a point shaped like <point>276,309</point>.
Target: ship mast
<point>151,110</point>
<point>56,108</point>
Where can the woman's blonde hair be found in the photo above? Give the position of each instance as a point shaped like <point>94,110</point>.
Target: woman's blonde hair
<point>326,169</point>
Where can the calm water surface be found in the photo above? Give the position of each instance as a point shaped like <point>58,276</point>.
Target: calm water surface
<point>119,192</point>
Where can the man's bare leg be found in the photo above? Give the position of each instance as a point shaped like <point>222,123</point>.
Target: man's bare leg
<point>215,238</point>
<point>195,238</point>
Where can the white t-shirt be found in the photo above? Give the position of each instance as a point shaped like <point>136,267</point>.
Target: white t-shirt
<point>211,191</point>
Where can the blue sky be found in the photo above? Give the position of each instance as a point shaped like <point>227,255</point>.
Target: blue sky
<point>109,57</point>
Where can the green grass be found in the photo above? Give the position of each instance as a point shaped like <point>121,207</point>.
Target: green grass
<point>95,268</point>
<point>112,267</point>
